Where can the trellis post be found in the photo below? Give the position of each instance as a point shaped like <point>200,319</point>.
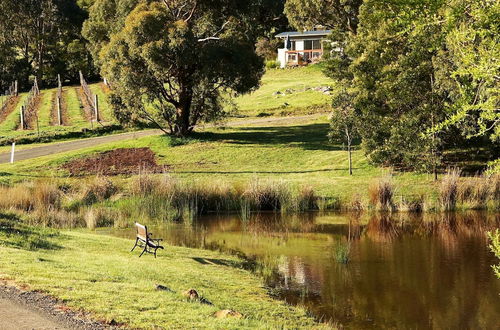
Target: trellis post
<point>22,117</point>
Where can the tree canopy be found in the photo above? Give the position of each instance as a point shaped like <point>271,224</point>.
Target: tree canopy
<point>421,71</point>
<point>170,62</point>
<point>41,38</point>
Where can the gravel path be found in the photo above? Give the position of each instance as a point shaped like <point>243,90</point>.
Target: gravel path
<point>56,148</point>
<point>21,310</point>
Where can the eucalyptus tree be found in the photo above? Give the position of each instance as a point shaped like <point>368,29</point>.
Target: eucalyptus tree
<point>332,14</point>
<point>37,33</point>
<point>173,62</point>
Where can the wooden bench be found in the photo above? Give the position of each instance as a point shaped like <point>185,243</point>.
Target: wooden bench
<point>144,240</point>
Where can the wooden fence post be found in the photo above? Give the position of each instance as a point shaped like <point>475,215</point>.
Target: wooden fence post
<point>96,107</point>
<point>59,117</point>
<point>22,117</point>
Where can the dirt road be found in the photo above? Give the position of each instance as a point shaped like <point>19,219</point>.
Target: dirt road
<point>20,310</point>
<point>56,148</point>
<point>14,316</point>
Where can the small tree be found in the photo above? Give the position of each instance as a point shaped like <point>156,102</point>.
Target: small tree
<point>343,123</point>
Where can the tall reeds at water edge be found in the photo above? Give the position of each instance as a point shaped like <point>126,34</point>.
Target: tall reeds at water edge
<point>100,201</point>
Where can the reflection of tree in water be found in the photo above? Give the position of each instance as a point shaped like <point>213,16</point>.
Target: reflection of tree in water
<point>406,271</point>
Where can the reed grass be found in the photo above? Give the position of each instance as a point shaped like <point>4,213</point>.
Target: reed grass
<point>100,202</point>
<point>448,191</point>
<point>381,194</point>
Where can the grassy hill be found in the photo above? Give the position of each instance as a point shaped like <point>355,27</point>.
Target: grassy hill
<point>282,92</point>
<point>73,114</point>
<point>288,91</point>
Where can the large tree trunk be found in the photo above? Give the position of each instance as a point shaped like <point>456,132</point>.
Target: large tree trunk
<point>182,123</point>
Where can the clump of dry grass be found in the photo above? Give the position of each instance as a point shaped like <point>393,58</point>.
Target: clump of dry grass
<point>55,219</point>
<point>448,191</point>
<point>307,199</point>
<point>96,217</point>
<point>381,194</point>
<point>98,189</point>
<point>18,197</point>
<point>30,196</point>
<point>412,203</point>
<point>143,184</point>
<point>474,192</point>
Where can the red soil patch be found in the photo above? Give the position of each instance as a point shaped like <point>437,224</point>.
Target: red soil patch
<point>12,104</point>
<point>114,162</point>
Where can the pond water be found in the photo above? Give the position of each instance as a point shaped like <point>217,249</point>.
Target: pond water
<point>402,271</point>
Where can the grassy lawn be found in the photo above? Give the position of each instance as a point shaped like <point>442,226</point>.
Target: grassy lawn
<point>298,153</point>
<point>263,102</point>
<point>98,274</point>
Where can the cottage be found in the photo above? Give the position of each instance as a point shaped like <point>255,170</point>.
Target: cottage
<point>301,48</point>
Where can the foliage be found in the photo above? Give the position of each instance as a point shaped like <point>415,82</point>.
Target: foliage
<point>272,64</point>
<point>333,14</point>
<point>469,67</point>
<point>416,68</point>
<point>171,61</point>
<point>266,48</point>
<point>495,248</point>
<point>41,38</point>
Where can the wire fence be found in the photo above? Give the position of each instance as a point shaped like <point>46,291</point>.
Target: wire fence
<point>91,98</point>
<point>28,110</point>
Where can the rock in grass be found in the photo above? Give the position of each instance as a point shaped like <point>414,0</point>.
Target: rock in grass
<point>227,313</point>
<point>160,287</point>
<point>191,294</point>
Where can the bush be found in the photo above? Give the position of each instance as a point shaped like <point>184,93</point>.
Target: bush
<point>273,64</point>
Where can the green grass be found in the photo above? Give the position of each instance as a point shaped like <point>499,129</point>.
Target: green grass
<point>98,274</point>
<point>73,108</point>
<point>299,153</point>
<point>105,110</point>
<point>11,123</point>
<point>263,102</point>
<point>45,110</point>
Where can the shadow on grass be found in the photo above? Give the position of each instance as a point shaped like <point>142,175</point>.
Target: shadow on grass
<point>219,262</point>
<point>265,172</point>
<point>308,137</point>
<point>15,234</point>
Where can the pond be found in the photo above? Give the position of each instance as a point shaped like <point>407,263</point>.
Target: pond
<point>364,271</point>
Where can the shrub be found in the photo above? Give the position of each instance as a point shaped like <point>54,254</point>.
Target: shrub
<point>273,64</point>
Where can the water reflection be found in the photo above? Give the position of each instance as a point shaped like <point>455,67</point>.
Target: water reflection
<point>419,271</point>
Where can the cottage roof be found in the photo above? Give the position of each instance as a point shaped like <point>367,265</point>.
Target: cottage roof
<point>319,33</point>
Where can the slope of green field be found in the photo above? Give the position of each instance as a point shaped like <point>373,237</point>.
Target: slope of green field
<point>287,91</point>
<point>11,122</point>
<point>297,152</point>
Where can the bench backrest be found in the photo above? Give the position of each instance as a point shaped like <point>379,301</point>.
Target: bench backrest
<point>142,231</point>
